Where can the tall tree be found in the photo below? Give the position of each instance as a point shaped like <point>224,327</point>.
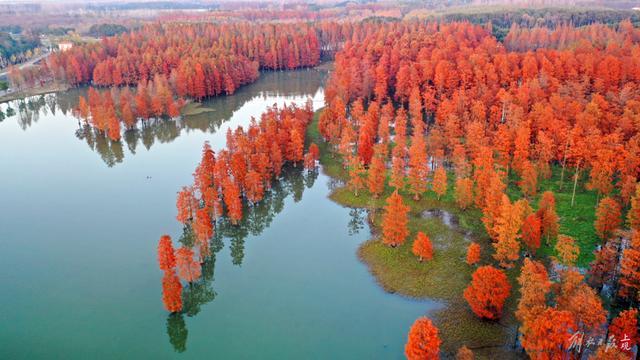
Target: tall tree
<point>464,192</point>
<point>534,288</point>
<point>166,256</point>
<point>397,170</point>
<point>232,199</point>
<point>473,253</point>
<point>548,216</point>
<point>423,342</point>
<point>395,220</point>
<point>186,204</point>
<point>356,174</point>
<point>507,228</point>
<point>171,291</point>
<point>487,292</point>
<point>188,268</point>
<point>418,169</point>
<point>422,247</point>
<point>549,335</point>
<point>608,218</point>
<point>567,250</point>
<point>377,172</point>
<point>630,269</point>
<point>532,232</point>
<point>633,216</point>
<point>440,182</point>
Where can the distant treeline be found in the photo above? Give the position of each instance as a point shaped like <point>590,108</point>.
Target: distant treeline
<point>11,45</point>
<point>100,30</point>
<point>502,18</point>
<point>151,5</point>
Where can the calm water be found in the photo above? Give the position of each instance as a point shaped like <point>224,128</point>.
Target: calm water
<point>80,217</point>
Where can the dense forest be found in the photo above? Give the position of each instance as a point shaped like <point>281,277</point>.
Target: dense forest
<point>432,99</point>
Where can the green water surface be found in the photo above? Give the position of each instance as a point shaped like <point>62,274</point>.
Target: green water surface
<point>80,217</point>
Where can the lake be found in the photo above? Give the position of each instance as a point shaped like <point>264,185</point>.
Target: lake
<point>80,221</point>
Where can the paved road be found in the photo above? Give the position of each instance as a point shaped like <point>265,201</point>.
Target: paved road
<point>25,64</point>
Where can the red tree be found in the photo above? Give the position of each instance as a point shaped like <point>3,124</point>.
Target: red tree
<point>464,193</point>
<point>473,253</point>
<point>549,335</point>
<point>395,220</point>
<point>422,247</point>
<point>377,172</point>
<point>630,269</point>
<point>487,292</point>
<point>423,342</point>
<point>608,218</point>
<point>171,291</point>
<point>166,257</point>
<point>440,182</point>
<point>188,268</point>
<point>531,232</point>
<point>625,327</point>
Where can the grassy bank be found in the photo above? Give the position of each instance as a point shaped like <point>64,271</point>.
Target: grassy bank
<point>445,277</point>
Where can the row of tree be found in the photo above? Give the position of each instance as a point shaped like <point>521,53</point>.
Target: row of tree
<point>106,111</point>
<point>240,174</point>
<point>215,57</point>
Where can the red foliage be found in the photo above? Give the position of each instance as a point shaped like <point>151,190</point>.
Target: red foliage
<point>487,292</point>
<point>625,328</point>
<point>171,291</point>
<point>395,220</point>
<point>473,253</point>
<point>188,268</point>
<point>630,269</point>
<point>531,232</point>
<point>608,218</point>
<point>377,172</point>
<point>422,247</point>
<point>549,335</point>
<point>464,193</point>
<point>166,256</point>
<point>423,342</point>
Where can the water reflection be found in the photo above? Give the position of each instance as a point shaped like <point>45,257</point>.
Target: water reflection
<point>207,118</point>
<point>258,217</point>
<point>356,223</point>
<point>177,331</point>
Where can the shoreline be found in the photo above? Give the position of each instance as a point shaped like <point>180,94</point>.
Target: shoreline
<point>444,278</point>
<point>47,89</point>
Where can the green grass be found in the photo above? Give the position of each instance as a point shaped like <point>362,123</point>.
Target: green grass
<point>443,278</point>
<point>576,221</point>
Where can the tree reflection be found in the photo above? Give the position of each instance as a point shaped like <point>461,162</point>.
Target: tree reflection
<point>257,218</point>
<point>195,295</point>
<point>356,223</point>
<point>177,331</point>
<point>110,151</point>
<point>218,110</point>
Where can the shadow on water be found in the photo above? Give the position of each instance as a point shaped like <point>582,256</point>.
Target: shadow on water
<point>258,217</point>
<point>164,130</point>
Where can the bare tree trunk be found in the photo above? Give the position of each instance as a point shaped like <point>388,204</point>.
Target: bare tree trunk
<point>575,183</point>
<point>564,165</point>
